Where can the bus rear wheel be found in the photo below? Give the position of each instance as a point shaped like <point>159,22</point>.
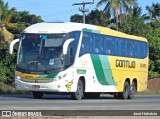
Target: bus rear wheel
<point>132,91</point>
<point>125,94</point>
<point>79,92</point>
<point>37,95</point>
<point>92,95</point>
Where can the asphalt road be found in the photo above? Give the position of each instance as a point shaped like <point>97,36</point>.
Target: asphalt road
<point>59,102</point>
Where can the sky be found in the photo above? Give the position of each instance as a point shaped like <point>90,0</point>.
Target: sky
<point>61,10</point>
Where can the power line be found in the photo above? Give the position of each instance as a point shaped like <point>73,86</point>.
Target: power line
<point>82,9</point>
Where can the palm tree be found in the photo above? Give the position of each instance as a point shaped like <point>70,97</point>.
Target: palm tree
<point>136,11</point>
<point>113,7</point>
<point>5,17</point>
<point>153,11</point>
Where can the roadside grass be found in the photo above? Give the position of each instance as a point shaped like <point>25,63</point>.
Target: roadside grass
<point>149,92</point>
<point>7,89</point>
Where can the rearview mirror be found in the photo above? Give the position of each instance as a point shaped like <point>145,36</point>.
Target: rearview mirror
<point>12,45</point>
<point>66,44</point>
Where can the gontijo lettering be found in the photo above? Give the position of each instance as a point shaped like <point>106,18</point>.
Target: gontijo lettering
<point>125,64</point>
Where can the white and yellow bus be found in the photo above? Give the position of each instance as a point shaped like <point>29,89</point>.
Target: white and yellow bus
<point>80,59</point>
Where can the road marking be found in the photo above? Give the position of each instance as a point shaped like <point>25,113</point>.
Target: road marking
<point>83,107</point>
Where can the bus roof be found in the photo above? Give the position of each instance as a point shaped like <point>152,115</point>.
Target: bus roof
<point>48,28</point>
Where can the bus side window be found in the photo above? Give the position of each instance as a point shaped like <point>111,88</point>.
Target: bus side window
<point>90,42</point>
<point>86,44</point>
<point>71,55</point>
<point>127,48</point>
<point>98,43</point>
<point>143,50</point>
<point>118,46</point>
<point>123,47</point>
<point>107,50</point>
<point>132,49</point>
<point>75,35</point>
<point>137,49</point>
<point>109,45</point>
<point>95,43</point>
<point>140,49</point>
<point>82,49</point>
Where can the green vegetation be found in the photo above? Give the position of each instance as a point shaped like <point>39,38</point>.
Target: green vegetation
<point>123,15</point>
<point>95,17</point>
<point>12,23</point>
<point>112,7</point>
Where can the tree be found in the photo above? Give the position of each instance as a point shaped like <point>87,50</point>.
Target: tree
<point>5,14</point>
<point>76,18</point>
<point>113,7</point>
<point>95,17</point>
<point>7,66</point>
<point>25,17</point>
<point>154,47</point>
<point>153,11</point>
<point>5,17</point>
<point>134,26</point>
<point>136,11</point>
<point>15,22</point>
<point>20,20</point>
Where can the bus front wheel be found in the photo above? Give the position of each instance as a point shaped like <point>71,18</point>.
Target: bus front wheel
<point>37,95</point>
<point>79,92</point>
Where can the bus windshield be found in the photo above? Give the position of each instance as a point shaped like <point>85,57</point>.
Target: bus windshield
<point>40,53</point>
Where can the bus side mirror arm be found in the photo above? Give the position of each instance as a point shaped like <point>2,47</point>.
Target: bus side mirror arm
<point>12,45</point>
<point>66,44</point>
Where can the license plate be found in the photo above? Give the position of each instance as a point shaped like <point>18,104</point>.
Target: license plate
<point>35,86</point>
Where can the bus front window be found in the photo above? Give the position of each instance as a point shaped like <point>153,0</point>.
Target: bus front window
<point>40,53</point>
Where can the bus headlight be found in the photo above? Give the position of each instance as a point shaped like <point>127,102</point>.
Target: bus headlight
<point>59,77</point>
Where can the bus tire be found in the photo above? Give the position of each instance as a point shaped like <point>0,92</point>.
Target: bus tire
<point>37,95</point>
<point>78,95</point>
<point>132,91</point>
<point>126,89</point>
<point>91,95</point>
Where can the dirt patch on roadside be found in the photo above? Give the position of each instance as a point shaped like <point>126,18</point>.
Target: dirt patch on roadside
<point>154,83</point>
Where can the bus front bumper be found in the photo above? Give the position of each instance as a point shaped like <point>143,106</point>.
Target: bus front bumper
<point>58,86</point>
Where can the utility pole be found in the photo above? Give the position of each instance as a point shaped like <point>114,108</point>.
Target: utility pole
<point>82,9</point>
